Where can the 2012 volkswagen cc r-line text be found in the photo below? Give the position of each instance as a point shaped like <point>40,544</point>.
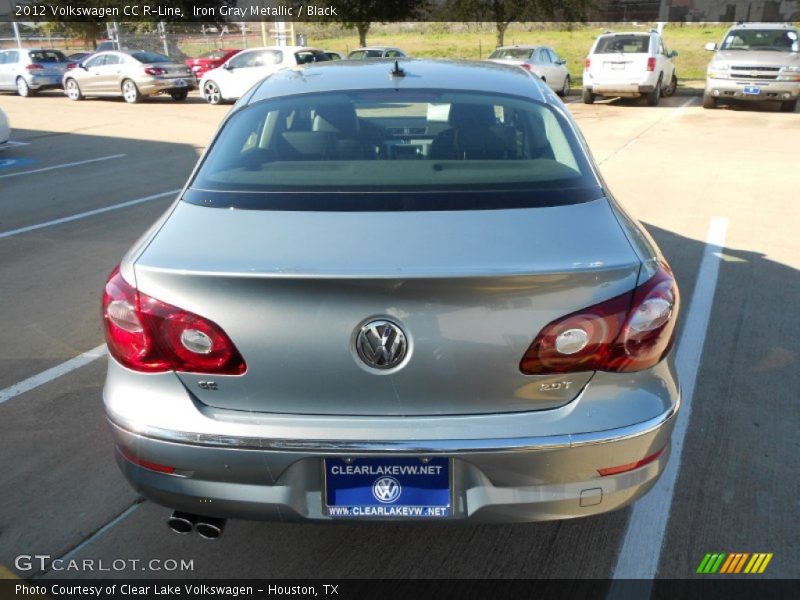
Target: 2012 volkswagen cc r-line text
<point>392,291</point>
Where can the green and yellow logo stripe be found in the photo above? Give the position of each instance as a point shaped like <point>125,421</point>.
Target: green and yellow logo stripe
<point>734,562</point>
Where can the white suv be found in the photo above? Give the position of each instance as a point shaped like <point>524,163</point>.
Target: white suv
<point>629,65</point>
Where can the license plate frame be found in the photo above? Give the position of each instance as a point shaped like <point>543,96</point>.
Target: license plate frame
<point>354,494</point>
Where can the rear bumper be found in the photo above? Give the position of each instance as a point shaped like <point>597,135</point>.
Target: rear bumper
<point>620,89</point>
<point>607,86</point>
<point>155,86</point>
<point>44,82</point>
<point>537,483</point>
<point>769,90</point>
<point>500,477</point>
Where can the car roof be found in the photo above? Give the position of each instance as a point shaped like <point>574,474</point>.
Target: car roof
<point>519,46</point>
<point>476,76</point>
<point>776,26</point>
<point>376,48</point>
<point>281,48</point>
<point>610,33</point>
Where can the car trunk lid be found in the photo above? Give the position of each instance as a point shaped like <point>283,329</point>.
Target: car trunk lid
<point>470,289</point>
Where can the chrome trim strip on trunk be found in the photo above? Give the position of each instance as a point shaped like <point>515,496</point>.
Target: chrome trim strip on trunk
<point>416,446</point>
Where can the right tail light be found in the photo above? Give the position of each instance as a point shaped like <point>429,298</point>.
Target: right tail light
<point>630,332</point>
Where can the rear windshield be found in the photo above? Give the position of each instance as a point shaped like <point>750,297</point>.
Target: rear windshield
<point>514,53</point>
<point>358,54</point>
<point>47,56</point>
<point>369,148</point>
<point>777,40</point>
<point>305,57</point>
<point>632,44</point>
<point>214,54</point>
<point>150,57</point>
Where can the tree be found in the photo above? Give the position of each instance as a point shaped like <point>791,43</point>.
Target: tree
<point>360,14</point>
<point>504,12</point>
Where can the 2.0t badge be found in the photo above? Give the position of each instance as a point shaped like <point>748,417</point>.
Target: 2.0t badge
<point>381,344</point>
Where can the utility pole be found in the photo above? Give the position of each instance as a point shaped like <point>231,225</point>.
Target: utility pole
<point>16,33</point>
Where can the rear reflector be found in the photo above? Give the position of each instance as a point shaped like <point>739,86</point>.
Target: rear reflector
<point>630,466</point>
<point>151,466</point>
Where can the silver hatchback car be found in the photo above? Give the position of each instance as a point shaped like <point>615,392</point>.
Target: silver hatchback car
<point>30,70</point>
<point>392,291</point>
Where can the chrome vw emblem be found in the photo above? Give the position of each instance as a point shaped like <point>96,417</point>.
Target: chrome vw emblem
<point>381,344</point>
<point>386,490</point>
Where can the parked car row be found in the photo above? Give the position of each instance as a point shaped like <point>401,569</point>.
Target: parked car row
<point>755,62</point>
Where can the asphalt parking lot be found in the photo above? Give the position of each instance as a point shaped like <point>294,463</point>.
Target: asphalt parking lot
<point>716,189</point>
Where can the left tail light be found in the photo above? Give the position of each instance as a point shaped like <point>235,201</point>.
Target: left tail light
<point>525,66</point>
<point>147,335</point>
<point>155,71</point>
<point>651,64</point>
<point>630,332</point>
<point>34,67</point>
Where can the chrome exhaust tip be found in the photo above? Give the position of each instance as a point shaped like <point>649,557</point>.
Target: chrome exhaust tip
<point>210,528</point>
<point>181,522</point>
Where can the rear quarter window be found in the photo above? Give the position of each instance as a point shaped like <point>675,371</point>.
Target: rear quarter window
<point>327,150</point>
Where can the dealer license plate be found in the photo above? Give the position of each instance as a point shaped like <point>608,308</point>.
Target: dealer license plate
<point>384,487</point>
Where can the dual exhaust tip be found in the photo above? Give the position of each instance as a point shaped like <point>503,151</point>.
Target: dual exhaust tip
<point>209,528</point>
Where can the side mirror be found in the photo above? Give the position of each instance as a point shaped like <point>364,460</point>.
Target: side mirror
<point>711,47</point>
<point>672,54</point>
<point>796,46</point>
<point>227,67</point>
<point>561,61</point>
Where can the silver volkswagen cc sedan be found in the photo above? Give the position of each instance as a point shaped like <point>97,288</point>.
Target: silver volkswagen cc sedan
<point>392,291</point>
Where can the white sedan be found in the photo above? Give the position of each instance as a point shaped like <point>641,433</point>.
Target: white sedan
<point>5,128</point>
<point>245,69</point>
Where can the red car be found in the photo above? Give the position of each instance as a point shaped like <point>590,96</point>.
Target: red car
<point>210,60</point>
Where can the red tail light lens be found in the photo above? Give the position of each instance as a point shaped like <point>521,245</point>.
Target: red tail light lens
<point>651,64</point>
<point>630,332</point>
<point>71,66</point>
<point>145,334</point>
<point>587,63</point>
<point>155,71</point>
<point>34,67</point>
<point>525,66</point>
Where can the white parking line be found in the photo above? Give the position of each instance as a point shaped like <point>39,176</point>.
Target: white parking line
<point>644,539</point>
<point>49,375</point>
<point>64,166</point>
<point>673,113</point>
<point>83,215</point>
<point>98,534</point>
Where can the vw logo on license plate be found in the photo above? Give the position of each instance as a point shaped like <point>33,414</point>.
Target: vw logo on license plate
<point>386,489</point>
